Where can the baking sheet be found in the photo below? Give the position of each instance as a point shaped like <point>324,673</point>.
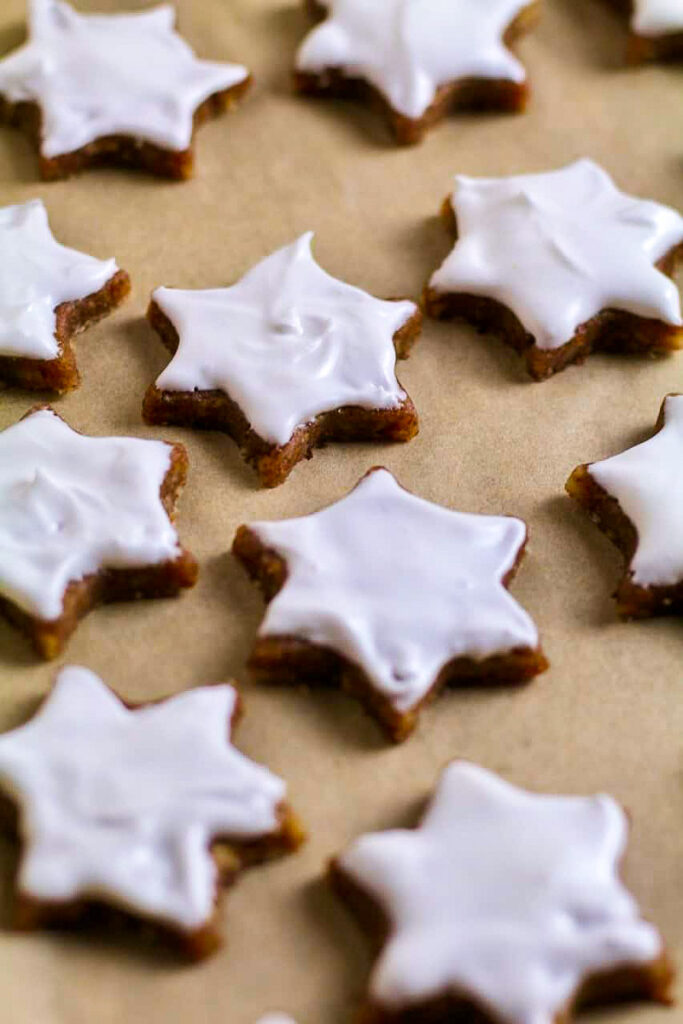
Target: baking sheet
<point>609,713</point>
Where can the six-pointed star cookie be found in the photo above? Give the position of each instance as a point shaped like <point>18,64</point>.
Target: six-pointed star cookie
<point>656,30</point>
<point>559,264</point>
<point>121,88</point>
<point>121,806</point>
<point>636,498</point>
<point>503,906</point>
<point>47,294</point>
<point>392,595</point>
<point>420,58</point>
<point>286,359</point>
<point>84,520</point>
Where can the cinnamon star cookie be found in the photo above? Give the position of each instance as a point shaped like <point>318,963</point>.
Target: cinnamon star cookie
<point>656,29</point>
<point>391,596</point>
<point>636,498</point>
<point>48,293</point>
<point>112,88</point>
<point>502,907</point>
<point>285,360</point>
<point>417,58</point>
<point>559,264</point>
<point>143,810</point>
<point>84,520</point>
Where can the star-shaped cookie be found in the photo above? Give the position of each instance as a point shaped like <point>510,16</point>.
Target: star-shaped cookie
<point>122,807</point>
<point>559,264</point>
<point>656,30</point>
<point>636,498</point>
<point>112,88</point>
<point>417,58</point>
<point>503,906</point>
<point>48,293</point>
<point>392,596</point>
<point>84,520</point>
<point>285,360</point>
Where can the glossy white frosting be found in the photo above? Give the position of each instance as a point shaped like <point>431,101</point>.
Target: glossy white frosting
<point>506,896</point>
<point>285,343</point>
<point>95,75</point>
<point>559,247</point>
<point>70,505</point>
<point>657,17</point>
<point>397,585</point>
<point>647,482</point>
<point>409,48</point>
<point>276,1018</point>
<point>122,805</point>
<point>36,275</point>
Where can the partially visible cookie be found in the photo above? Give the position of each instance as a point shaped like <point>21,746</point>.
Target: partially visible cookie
<point>140,812</point>
<point>284,361</point>
<point>636,498</point>
<point>656,29</point>
<point>560,264</point>
<point>48,293</point>
<point>501,907</point>
<point>121,89</point>
<point>417,61</point>
<point>392,597</point>
<point>84,520</point>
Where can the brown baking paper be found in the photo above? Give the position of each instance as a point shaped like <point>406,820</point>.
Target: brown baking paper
<point>608,715</point>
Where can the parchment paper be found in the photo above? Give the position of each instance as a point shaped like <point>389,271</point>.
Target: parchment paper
<point>609,713</point>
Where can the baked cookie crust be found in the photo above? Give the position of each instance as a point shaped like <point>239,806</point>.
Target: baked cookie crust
<point>651,982</point>
<point>406,888</point>
<point>119,150</point>
<point>611,330</point>
<point>231,858</point>
<point>61,374</point>
<point>288,659</point>
<point>166,579</point>
<point>634,600</point>
<point>215,410</point>
<point>146,90</point>
<point>462,94</point>
<point>641,48</point>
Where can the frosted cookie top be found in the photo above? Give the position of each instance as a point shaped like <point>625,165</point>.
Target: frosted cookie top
<point>70,505</point>
<point>96,75</point>
<point>122,805</point>
<point>657,17</point>
<point>510,897</point>
<point>558,248</point>
<point>37,274</point>
<point>407,49</point>
<point>647,482</point>
<point>286,343</point>
<point>397,585</point>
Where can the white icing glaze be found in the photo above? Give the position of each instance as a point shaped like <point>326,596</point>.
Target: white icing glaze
<point>276,1018</point>
<point>507,896</point>
<point>557,248</point>
<point>71,504</point>
<point>657,17</point>
<point>122,805</point>
<point>398,585</point>
<point>646,481</point>
<point>409,48</point>
<point>285,343</point>
<point>36,275</point>
<point>123,74</point>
